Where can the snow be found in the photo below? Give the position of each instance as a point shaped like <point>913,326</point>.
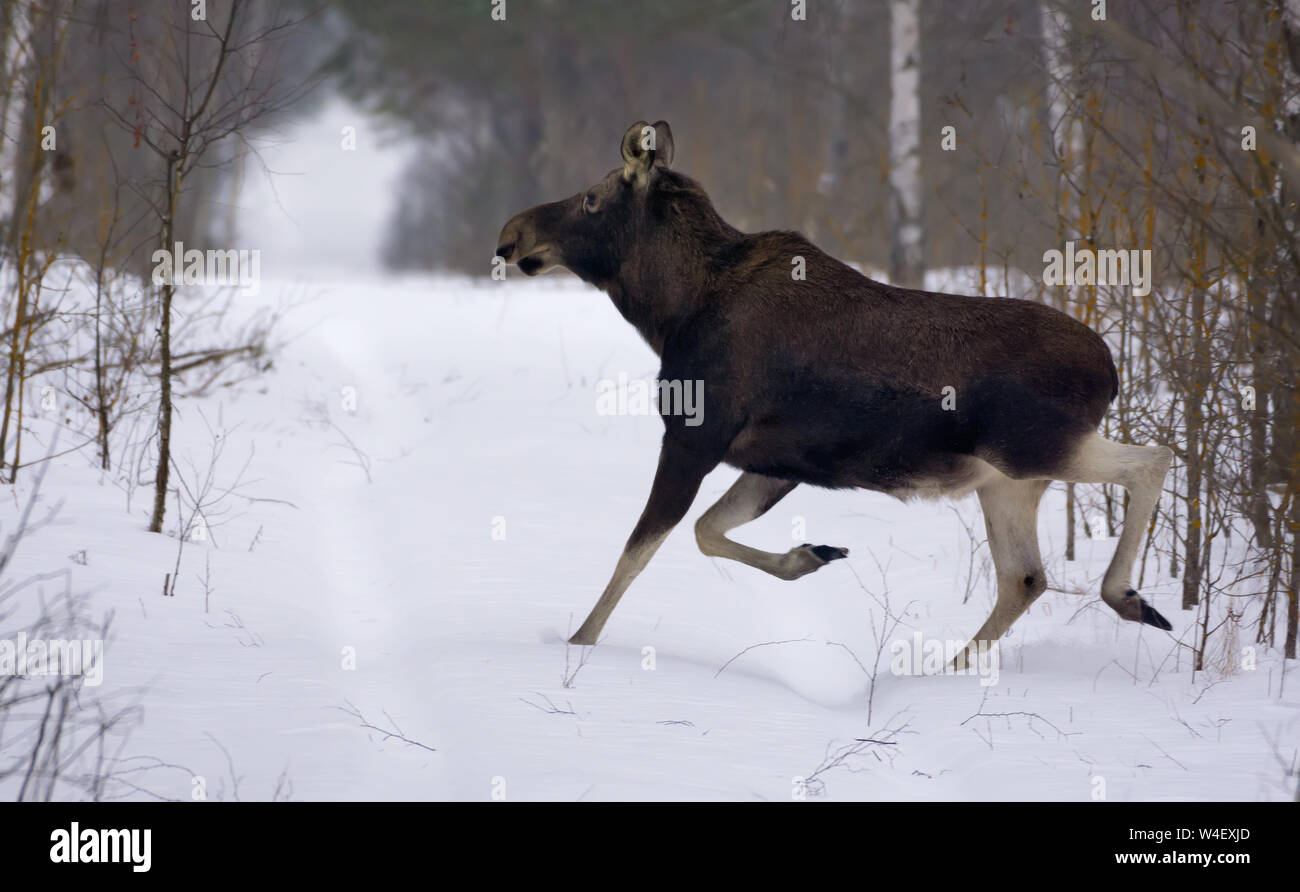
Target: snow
<point>449,532</point>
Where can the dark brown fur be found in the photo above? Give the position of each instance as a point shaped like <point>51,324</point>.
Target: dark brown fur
<point>835,380</point>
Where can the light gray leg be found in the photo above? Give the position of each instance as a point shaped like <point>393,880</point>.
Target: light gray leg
<point>751,496</point>
<point>1140,470</point>
<point>1011,519</point>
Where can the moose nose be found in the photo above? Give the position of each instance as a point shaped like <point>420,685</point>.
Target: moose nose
<point>512,239</point>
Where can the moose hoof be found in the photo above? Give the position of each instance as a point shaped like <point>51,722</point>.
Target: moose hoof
<point>807,557</point>
<point>827,553</point>
<point>1134,608</point>
<point>1150,615</point>
<point>583,638</point>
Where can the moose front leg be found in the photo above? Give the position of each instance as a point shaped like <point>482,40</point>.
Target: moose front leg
<point>676,482</point>
<point>750,497</point>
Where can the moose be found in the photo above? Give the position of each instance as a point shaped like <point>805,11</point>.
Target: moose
<point>836,380</point>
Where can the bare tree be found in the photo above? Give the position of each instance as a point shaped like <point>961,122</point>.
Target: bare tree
<point>198,85</point>
<point>37,45</point>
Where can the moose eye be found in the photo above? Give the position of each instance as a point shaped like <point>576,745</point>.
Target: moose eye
<point>589,202</point>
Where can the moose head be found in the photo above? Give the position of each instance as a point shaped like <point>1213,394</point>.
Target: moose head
<point>591,233</point>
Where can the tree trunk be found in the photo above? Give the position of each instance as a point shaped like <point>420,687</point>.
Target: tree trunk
<point>907,254</point>
<point>1195,424</point>
<point>168,289</point>
<point>19,242</point>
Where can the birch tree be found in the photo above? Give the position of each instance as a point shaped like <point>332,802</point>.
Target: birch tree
<point>1287,449</point>
<point>907,254</point>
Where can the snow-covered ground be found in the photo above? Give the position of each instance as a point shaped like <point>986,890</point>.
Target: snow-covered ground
<point>433,501</point>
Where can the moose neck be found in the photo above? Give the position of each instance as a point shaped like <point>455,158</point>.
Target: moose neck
<point>667,277</point>
<point>655,301</point>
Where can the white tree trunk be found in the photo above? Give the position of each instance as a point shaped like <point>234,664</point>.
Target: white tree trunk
<point>1290,120</point>
<point>15,57</point>
<point>1067,136</point>
<point>907,254</point>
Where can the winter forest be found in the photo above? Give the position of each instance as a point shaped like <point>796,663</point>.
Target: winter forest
<point>305,493</point>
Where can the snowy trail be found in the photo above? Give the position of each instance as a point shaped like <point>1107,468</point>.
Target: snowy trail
<point>464,513</point>
<point>445,625</point>
<point>465,623</point>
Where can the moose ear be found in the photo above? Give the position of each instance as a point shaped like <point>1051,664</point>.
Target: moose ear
<point>644,146</point>
<point>663,144</point>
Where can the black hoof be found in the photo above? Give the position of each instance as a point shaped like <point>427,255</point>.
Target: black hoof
<point>1150,615</point>
<point>828,553</point>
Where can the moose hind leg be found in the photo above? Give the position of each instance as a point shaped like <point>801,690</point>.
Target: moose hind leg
<point>1141,471</point>
<point>750,497</point>
<point>1011,520</point>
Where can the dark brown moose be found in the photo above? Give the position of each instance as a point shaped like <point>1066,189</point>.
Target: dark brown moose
<point>813,373</point>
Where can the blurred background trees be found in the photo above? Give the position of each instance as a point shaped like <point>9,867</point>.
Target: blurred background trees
<point>784,120</point>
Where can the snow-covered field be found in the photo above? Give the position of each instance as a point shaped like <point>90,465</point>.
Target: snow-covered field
<point>433,501</point>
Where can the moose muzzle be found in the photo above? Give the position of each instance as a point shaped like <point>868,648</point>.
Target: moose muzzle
<point>517,244</point>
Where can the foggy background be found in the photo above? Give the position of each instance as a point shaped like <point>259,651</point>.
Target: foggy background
<point>462,120</point>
